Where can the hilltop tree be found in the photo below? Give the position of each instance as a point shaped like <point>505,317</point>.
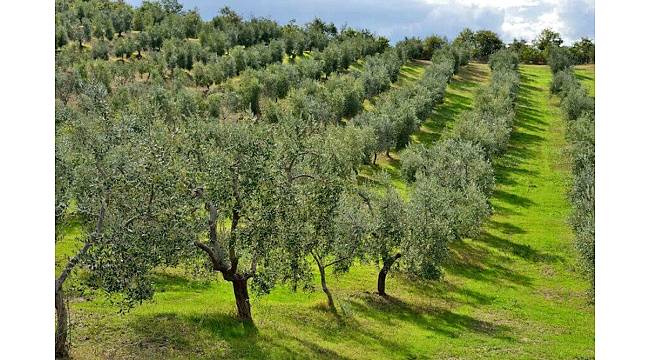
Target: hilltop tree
<point>487,42</point>
<point>583,51</point>
<point>430,44</point>
<point>172,6</point>
<point>547,39</point>
<point>465,40</point>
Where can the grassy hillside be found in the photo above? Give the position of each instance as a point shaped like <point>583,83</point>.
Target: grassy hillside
<point>513,293</point>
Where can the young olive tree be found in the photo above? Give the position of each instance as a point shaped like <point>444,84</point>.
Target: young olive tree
<point>387,232</point>
<point>323,218</point>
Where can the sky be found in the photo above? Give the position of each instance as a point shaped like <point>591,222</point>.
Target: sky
<point>397,19</point>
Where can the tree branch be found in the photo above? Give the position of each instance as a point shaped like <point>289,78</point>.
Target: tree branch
<point>75,260</point>
<point>301,176</point>
<point>216,262</point>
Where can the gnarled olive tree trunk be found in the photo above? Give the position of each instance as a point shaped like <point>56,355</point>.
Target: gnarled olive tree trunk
<point>229,271</point>
<point>61,332</point>
<point>381,279</point>
<point>240,288</point>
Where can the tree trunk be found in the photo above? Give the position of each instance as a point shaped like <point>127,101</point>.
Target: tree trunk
<point>240,288</point>
<point>61,335</point>
<point>381,279</point>
<point>323,283</point>
<point>374,160</point>
<point>388,154</point>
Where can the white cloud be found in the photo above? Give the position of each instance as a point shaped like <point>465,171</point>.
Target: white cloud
<point>527,18</point>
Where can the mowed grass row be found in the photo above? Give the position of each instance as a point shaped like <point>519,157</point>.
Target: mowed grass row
<point>512,293</point>
<point>587,76</point>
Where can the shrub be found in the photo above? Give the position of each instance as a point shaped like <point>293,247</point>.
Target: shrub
<point>558,58</point>
<point>575,102</point>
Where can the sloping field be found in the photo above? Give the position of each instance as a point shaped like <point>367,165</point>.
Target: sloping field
<point>513,293</point>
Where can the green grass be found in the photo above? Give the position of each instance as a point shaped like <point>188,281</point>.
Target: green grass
<point>513,293</point>
<point>587,76</point>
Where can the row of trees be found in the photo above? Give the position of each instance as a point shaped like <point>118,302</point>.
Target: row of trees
<point>161,20</point>
<point>489,124</point>
<point>277,79</point>
<point>287,89</point>
<point>579,111</point>
<point>455,175</point>
<point>401,112</point>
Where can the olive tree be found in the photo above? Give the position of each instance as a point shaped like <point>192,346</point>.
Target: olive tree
<point>387,232</point>
<point>230,174</point>
<point>121,19</point>
<point>80,32</point>
<point>438,215</point>
<point>118,169</point>
<point>558,58</point>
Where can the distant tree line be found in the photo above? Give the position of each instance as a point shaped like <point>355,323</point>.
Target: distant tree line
<point>582,51</point>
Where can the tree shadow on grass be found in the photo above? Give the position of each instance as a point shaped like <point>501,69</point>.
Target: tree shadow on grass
<point>443,290</point>
<point>343,327</point>
<point>512,199</point>
<point>506,228</point>
<point>410,69</point>
<point>473,260</point>
<point>426,316</point>
<point>523,251</point>
<point>473,73</point>
<point>165,334</point>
